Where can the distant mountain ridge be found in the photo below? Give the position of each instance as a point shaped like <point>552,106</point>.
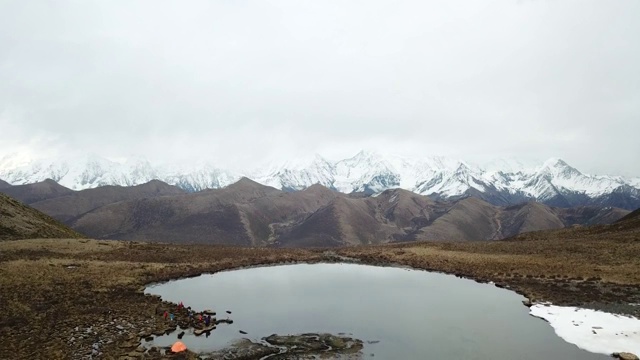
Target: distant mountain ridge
<point>554,182</point>
<point>247,213</point>
<point>4,184</point>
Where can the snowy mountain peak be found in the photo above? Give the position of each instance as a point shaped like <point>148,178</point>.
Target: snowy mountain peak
<point>504,181</point>
<point>554,162</point>
<point>556,167</point>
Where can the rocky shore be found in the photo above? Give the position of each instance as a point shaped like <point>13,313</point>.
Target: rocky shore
<point>290,347</point>
<point>83,299</point>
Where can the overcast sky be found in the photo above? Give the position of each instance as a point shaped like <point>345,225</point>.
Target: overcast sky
<point>243,82</point>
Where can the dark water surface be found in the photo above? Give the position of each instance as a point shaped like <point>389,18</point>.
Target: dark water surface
<point>398,313</point>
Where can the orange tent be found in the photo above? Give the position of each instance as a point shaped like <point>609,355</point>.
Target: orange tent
<point>178,347</point>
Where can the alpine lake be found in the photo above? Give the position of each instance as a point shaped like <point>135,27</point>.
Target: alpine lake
<point>349,311</point>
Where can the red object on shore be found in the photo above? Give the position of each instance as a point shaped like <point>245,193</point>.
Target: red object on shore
<point>179,346</point>
<point>165,314</point>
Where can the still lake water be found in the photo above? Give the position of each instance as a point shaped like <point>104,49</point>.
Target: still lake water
<point>398,313</point>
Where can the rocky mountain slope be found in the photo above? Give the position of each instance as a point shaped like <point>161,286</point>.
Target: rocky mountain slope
<point>4,184</point>
<point>630,221</point>
<point>68,207</point>
<point>503,183</point>
<point>247,213</point>
<point>19,221</point>
<point>31,193</point>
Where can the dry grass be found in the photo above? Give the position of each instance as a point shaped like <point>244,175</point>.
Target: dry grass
<point>579,266</point>
<point>50,287</point>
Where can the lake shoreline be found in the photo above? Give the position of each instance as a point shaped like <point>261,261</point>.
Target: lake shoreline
<point>88,292</point>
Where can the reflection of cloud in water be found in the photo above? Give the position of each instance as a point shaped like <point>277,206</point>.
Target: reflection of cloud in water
<point>412,313</point>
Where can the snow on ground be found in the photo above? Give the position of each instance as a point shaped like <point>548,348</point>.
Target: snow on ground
<point>594,331</point>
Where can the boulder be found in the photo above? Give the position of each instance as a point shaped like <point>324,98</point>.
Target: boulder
<point>625,356</point>
<point>199,332</point>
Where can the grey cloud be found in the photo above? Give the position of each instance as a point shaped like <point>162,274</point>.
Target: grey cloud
<point>245,81</point>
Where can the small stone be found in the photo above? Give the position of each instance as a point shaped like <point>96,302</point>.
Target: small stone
<point>625,356</point>
<point>120,327</point>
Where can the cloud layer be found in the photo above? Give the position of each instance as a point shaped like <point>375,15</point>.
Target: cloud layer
<point>254,81</point>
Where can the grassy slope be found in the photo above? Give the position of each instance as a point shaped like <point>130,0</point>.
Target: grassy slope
<point>19,221</point>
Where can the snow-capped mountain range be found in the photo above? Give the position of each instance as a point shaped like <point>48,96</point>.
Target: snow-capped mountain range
<point>553,182</point>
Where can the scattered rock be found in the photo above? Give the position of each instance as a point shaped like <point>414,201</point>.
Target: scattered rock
<point>228,312</point>
<point>625,356</point>
<point>127,345</point>
<point>181,335</point>
<point>242,332</point>
<point>199,332</point>
<point>245,349</point>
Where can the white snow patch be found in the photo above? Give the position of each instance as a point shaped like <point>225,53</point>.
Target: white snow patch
<point>591,330</point>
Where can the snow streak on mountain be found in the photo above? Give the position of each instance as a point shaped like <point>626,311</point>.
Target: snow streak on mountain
<point>554,182</point>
